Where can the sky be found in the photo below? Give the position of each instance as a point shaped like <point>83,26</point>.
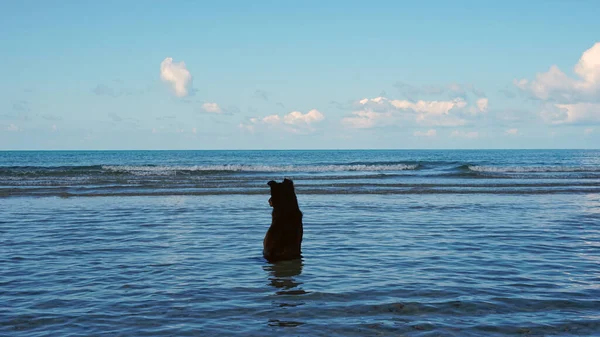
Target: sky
<point>104,75</point>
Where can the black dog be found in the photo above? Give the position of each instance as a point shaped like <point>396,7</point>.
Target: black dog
<point>283,240</point>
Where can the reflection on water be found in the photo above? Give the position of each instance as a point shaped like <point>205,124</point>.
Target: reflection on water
<point>283,276</point>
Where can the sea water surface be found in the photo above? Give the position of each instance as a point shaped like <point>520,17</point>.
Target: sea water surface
<point>396,243</point>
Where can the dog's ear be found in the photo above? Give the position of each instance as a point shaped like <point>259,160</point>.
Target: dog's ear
<point>271,183</point>
<point>288,182</point>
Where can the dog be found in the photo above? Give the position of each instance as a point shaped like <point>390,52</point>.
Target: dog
<point>283,240</point>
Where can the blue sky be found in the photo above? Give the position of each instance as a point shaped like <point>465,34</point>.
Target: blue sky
<point>299,74</point>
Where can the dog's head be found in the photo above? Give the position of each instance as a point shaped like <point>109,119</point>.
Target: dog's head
<point>283,195</point>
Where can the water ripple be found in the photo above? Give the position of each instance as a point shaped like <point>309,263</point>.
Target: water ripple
<point>386,265</point>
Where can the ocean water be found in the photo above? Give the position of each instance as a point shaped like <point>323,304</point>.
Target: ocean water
<point>396,243</point>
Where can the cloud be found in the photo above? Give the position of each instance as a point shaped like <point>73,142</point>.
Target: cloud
<point>512,132</point>
<point>577,113</point>
<point>371,112</point>
<point>54,128</point>
<point>428,133</point>
<point>194,130</point>
<point>177,75</point>
<point>588,131</point>
<point>464,134</point>
<point>272,119</point>
<point>556,86</point>
<point>12,128</point>
<point>294,121</point>
<point>296,117</point>
<point>364,119</point>
<point>482,104</point>
<point>215,109</point>
<point>565,99</point>
<point>211,108</point>
<point>247,127</point>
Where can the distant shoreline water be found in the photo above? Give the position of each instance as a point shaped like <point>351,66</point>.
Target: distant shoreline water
<point>131,173</point>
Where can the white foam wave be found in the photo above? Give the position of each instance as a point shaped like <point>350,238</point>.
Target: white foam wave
<point>531,169</point>
<point>167,170</point>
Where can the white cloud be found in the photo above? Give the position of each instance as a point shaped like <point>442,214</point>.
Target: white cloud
<point>577,113</point>
<point>588,131</point>
<point>512,132</point>
<point>177,75</point>
<point>463,134</point>
<point>272,119</point>
<point>371,112</point>
<point>54,128</point>
<point>554,85</point>
<point>247,127</point>
<point>421,106</point>
<point>482,104</point>
<point>294,121</point>
<point>12,128</point>
<point>364,119</point>
<point>428,133</point>
<point>212,108</point>
<point>567,100</point>
<point>194,130</point>
<point>296,117</point>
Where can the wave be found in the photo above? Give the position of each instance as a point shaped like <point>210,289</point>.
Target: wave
<point>181,169</point>
<point>441,169</point>
<point>129,192</point>
<point>529,169</point>
<point>259,168</point>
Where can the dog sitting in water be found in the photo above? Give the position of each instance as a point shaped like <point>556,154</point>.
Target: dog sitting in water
<point>284,238</point>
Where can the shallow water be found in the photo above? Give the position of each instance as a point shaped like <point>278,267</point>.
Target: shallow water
<point>375,264</point>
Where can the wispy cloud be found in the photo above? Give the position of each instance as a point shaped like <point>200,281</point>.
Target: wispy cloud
<point>294,121</point>
<point>211,108</point>
<point>177,76</point>
<point>428,133</point>
<point>379,111</point>
<point>512,132</point>
<point>216,109</point>
<point>12,128</point>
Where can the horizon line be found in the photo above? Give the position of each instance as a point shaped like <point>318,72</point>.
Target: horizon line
<point>299,149</point>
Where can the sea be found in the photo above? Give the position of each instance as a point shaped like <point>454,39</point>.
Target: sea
<point>396,243</point>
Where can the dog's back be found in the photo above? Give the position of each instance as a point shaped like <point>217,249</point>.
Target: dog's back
<point>283,240</point>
